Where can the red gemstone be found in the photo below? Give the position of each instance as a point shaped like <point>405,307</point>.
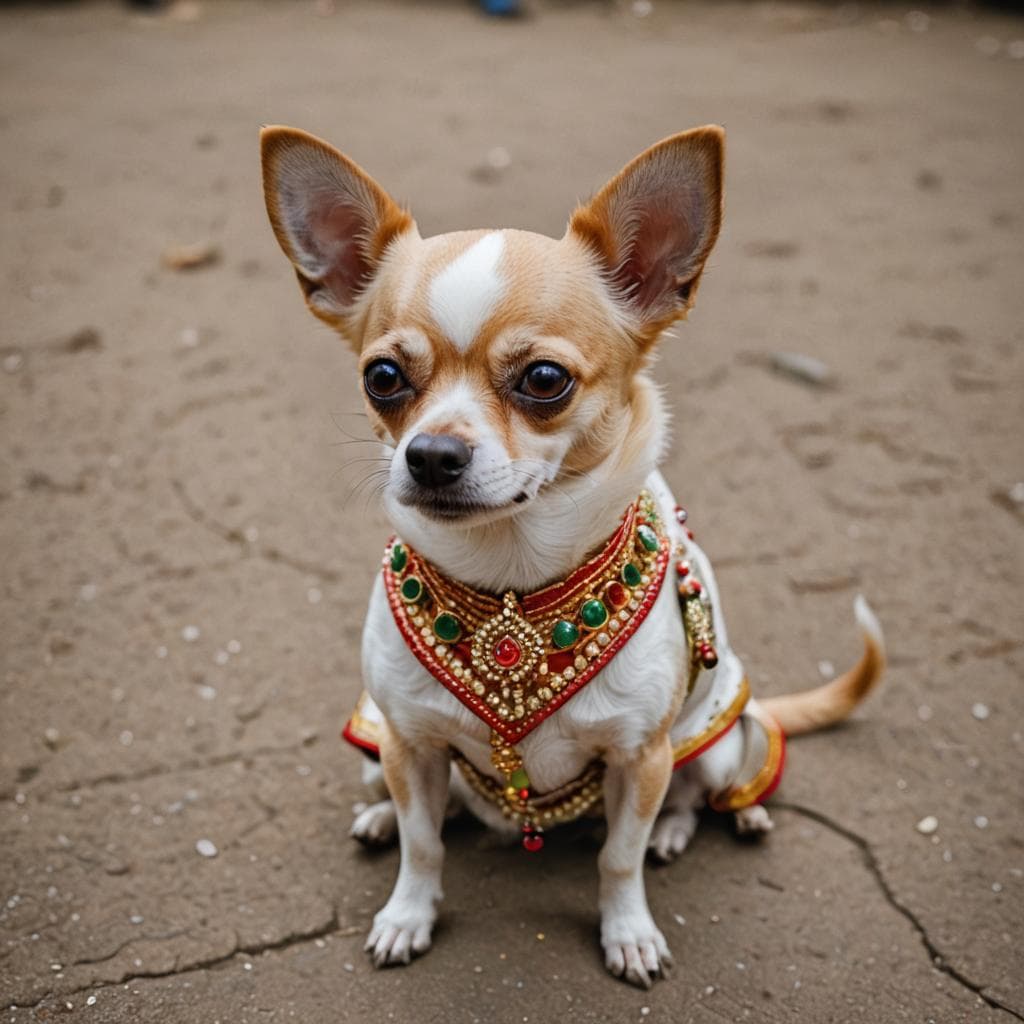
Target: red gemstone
<point>616,595</point>
<point>695,586</point>
<point>532,842</point>
<point>682,568</point>
<point>689,533</point>
<point>524,794</point>
<point>507,653</point>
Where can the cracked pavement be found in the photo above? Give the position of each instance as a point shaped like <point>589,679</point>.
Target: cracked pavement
<point>189,528</point>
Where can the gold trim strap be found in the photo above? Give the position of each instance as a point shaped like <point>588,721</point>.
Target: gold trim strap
<point>767,778</point>
<point>725,719</point>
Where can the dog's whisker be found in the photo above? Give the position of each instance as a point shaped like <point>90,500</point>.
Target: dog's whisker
<point>373,477</point>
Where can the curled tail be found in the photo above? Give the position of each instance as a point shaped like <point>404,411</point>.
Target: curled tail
<point>831,703</point>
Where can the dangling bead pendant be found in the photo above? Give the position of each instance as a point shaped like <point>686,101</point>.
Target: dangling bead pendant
<point>516,792</point>
<point>533,838</point>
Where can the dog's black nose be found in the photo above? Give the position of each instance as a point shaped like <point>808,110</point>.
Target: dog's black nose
<point>436,460</point>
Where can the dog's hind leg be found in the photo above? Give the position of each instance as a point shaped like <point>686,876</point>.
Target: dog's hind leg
<point>718,768</point>
<point>677,819</point>
<point>376,824</point>
<point>753,821</point>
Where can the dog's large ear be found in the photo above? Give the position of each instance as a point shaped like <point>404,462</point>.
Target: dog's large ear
<point>332,220</point>
<point>653,225</point>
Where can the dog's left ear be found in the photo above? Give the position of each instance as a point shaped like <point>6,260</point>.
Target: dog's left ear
<point>332,220</point>
<point>654,224</point>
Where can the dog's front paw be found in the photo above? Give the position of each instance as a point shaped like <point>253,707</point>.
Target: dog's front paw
<point>375,825</point>
<point>753,822</point>
<point>399,933</point>
<point>635,950</point>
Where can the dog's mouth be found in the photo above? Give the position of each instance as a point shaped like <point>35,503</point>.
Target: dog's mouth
<point>447,507</point>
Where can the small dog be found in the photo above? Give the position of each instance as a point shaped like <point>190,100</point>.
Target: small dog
<point>545,638</point>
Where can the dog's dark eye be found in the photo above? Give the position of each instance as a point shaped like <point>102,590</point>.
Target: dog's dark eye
<point>383,379</point>
<point>545,382</point>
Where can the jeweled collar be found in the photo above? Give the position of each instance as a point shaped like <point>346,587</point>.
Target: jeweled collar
<point>513,661</point>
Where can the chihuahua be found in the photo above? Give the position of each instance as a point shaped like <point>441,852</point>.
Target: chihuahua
<point>531,650</point>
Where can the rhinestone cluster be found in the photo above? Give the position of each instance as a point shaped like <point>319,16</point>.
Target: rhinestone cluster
<point>693,600</point>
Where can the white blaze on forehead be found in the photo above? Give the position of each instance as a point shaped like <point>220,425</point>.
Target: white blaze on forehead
<point>464,296</point>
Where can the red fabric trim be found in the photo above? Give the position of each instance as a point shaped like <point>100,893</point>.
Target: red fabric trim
<point>706,746</point>
<point>540,601</point>
<point>357,741</point>
<point>774,784</point>
<point>513,732</point>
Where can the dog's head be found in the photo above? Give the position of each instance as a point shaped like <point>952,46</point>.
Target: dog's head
<point>498,363</point>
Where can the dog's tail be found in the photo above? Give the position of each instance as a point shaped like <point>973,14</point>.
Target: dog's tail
<point>825,705</point>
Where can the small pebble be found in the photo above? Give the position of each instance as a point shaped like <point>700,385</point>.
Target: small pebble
<point>801,367</point>
<point>926,826</point>
<point>205,848</point>
<point>924,712</point>
<point>136,919</point>
<point>642,8</point>
<point>221,657</point>
<point>234,647</point>
<point>51,737</point>
<point>88,591</point>
<point>13,362</point>
<point>189,337</point>
<point>980,711</point>
<point>190,634</point>
<point>997,886</point>
<point>190,257</point>
<point>91,1001</point>
<point>981,821</point>
<point>207,692</point>
<point>251,534</point>
<point>826,669</point>
<point>126,738</point>
<point>348,967</point>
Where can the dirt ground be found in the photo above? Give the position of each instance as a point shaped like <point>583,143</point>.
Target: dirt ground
<point>188,545</point>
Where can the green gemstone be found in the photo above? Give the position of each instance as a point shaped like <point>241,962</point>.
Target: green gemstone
<point>412,589</point>
<point>398,558</point>
<point>594,614</point>
<point>520,779</point>
<point>447,627</point>
<point>565,634</point>
<point>630,575</point>
<point>647,536</point>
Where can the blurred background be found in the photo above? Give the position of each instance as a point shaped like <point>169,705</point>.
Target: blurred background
<point>188,539</point>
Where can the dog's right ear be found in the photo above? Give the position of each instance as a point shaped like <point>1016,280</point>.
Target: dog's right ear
<point>332,220</point>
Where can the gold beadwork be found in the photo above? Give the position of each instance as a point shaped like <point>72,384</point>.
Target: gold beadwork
<point>506,661</point>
